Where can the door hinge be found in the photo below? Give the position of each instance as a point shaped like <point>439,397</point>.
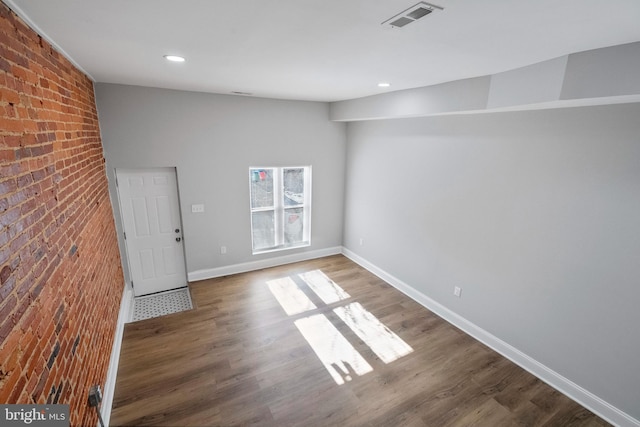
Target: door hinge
<point>116,180</point>
<point>132,283</point>
<point>125,235</point>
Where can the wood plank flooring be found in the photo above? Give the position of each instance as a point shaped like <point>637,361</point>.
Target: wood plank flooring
<point>238,358</point>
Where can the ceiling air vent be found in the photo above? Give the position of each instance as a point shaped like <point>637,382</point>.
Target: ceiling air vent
<point>412,14</point>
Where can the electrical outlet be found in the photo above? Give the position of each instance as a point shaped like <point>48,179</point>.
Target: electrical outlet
<point>361,241</point>
<point>223,250</point>
<point>95,396</point>
<point>457,291</point>
<point>197,208</point>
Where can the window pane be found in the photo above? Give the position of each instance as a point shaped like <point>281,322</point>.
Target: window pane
<point>293,225</point>
<point>293,182</point>
<point>261,188</point>
<point>263,230</point>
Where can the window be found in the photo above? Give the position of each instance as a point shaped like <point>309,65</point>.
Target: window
<point>280,207</point>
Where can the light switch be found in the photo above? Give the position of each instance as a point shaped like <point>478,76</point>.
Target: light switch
<point>197,208</point>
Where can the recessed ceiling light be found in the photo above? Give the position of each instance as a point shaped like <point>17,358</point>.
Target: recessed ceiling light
<point>174,58</point>
<point>383,84</point>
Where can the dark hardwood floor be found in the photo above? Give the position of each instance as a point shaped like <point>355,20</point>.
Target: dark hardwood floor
<point>373,357</point>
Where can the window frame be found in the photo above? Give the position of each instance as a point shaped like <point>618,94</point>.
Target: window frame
<point>279,209</point>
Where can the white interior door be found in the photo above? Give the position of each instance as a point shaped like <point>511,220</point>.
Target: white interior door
<point>153,230</point>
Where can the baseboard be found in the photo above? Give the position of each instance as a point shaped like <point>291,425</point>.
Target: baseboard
<point>210,273</point>
<point>110,384</point>
<point>549,376</point>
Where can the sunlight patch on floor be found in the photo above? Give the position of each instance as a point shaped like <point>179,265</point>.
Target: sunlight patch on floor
<point>380,339</point>
<point>289,295</point>
<point>334,351</point>
<point>337,354</point>
<point>328,290</point>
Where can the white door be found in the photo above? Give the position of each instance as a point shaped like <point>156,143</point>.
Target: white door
<point>152,227</point>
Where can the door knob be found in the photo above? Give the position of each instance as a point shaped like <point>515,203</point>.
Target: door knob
<point>177,230</point>
<point>178,239</point>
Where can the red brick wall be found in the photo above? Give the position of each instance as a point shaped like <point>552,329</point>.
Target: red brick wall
<point>60,273</point>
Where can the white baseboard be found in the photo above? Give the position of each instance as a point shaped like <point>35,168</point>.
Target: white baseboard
<point>549,376</point>
<point>210,273</point>
<point>110,384</point>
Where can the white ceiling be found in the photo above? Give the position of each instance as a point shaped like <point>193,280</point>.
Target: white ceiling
<point>322,50</point>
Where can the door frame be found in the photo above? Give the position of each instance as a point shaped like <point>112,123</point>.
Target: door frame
<point>174,169</point>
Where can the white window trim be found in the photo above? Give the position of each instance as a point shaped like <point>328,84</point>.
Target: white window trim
<point>279,209</point>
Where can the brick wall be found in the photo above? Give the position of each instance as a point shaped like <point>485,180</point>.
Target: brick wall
<point>60,273</point>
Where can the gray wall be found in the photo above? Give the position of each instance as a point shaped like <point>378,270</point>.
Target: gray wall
<point>212,140</point>
<point>535,215</point>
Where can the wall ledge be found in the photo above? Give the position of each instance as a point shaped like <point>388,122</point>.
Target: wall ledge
<point>605,76</point>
